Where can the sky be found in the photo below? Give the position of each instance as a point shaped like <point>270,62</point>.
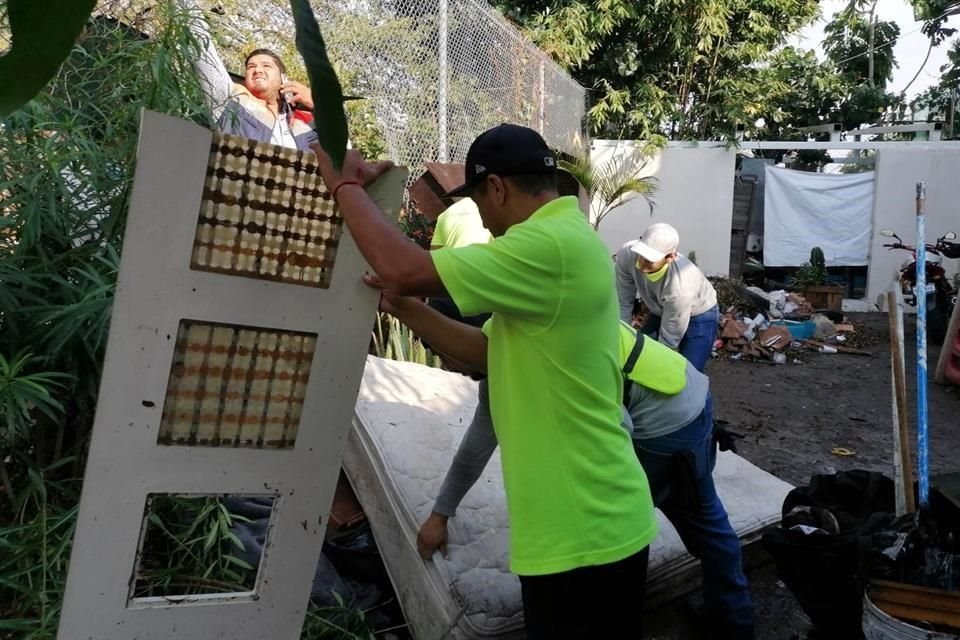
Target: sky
<point>910,48</point>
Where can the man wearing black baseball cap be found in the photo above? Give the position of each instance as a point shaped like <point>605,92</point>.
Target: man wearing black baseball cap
<point>581,514</point>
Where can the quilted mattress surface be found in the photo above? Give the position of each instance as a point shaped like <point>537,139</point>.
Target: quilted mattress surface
<point>408,423</point>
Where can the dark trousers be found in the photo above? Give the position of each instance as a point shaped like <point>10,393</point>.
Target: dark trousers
<point>601,601</point>
<point>701,521</point>
<point>697,343</point>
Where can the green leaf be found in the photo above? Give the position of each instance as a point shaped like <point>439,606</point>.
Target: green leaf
<point>330,119</point>
<point>211,538</point>
<point>43,34</point>
<point>238,562</point>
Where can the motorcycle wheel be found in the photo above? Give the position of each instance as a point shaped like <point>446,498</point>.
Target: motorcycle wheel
<point>937,322</point>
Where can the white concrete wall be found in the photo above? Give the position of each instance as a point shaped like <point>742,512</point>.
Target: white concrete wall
<point>695,195</point>
<point>898,171</point>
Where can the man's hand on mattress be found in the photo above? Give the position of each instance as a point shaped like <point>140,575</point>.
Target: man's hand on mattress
<point>432,536</point>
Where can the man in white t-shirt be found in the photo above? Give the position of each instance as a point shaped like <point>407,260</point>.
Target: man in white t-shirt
<point>681,301</point>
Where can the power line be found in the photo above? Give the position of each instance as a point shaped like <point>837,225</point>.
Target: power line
<point>891,41</point>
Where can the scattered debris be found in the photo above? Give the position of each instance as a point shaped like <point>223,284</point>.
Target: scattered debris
<point>836,348</point>
<point>843,452</point>
<point>776,337</point>
<point>758,339</point>
<point>823,326</point>
<point>757,325</point>
<point>784,304</point>
<point>858,306</point>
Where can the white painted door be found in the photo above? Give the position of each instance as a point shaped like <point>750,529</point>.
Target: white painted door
<point>236,349</point>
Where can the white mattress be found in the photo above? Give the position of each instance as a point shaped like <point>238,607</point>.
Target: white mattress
<point>407,425</point>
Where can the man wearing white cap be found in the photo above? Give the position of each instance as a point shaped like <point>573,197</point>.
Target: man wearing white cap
<point>681,301</point>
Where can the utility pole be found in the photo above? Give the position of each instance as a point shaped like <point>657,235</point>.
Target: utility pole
<point>870,46</point>
<point>953,111</point>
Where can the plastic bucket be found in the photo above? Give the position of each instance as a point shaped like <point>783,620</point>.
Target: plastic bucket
<point>798,330</point>
<point>877,625</point>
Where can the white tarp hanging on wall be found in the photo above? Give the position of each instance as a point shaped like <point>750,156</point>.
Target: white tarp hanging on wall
<point>803,210</point>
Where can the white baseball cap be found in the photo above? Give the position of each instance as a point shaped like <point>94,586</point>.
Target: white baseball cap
<point>657,242</point>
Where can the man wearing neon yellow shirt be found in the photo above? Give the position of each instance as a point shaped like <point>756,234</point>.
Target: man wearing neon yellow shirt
<point>681,301</point>
<point>580,509</point>
<point>669,413</point>
<point>460,225</point>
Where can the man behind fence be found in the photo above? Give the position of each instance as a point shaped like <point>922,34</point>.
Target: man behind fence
<point>581,514</point>
<point>266,107</point>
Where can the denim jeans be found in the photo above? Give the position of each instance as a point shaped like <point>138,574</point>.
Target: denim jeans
<point>704,527</point>
<point>697,343</point>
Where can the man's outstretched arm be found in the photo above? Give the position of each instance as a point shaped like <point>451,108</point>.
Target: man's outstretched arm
<point>473,454</point>
<point>462,342</point>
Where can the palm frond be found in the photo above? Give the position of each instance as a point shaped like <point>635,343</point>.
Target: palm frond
<point>582,171</point>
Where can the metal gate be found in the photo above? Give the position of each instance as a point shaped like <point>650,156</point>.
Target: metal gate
<point>236,349</point>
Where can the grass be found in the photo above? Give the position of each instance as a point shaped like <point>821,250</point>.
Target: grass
<point>393,340</point>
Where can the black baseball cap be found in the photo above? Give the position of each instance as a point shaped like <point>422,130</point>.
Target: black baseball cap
<point>505,150</point>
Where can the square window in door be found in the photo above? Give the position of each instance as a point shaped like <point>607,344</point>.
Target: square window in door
<point>193,546</point>
<point>236,386</point>
<point>266,214</point>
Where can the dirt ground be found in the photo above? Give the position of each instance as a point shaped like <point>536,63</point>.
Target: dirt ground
<point>792,416</point>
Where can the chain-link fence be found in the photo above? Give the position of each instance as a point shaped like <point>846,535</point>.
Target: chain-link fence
<point>435,72</point>
<point>449,70</point>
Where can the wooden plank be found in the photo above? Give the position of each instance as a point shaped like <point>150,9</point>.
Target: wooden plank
<point>947,348</point>
<point>915,594</point>
<point>919,614</point>
<point>425,193</point>
<point>740,224</point>
<point>920,604</point>
<point>448,175</point>
<point>903,458</point>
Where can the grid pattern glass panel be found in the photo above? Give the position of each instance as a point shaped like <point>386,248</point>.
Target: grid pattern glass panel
<point>236,386</point>
<point>266,214</point>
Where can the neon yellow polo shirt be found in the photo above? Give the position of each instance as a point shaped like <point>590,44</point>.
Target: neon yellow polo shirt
<point>576,494</point>
<point>460,225</point>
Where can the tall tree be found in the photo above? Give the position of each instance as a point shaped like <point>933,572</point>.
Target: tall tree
<point>671,68</point>
<point>943,99</point>
<point>861,48</point>
<point>801,91</point>
<point>935,14</point>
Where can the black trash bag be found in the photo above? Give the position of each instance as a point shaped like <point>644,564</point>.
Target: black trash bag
<point>920,549</point>
<point>823,545</point>
<point>355,553</point>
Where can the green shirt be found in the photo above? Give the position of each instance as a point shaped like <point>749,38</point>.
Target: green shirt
<point>576,494</point>
<point>459,226</point>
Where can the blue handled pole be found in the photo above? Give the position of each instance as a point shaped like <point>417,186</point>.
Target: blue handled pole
<point>923,459</point>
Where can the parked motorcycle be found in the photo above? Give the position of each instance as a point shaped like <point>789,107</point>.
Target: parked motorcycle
<point>941,296</point>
